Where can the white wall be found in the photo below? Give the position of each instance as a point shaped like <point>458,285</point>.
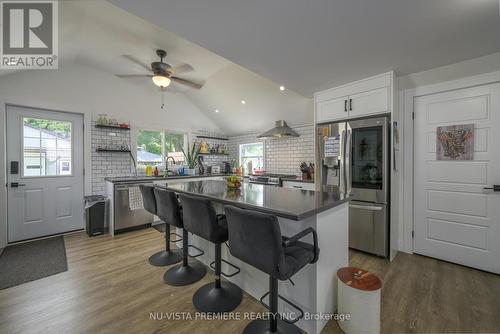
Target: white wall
<point>471,67</point>
<point>80,89</point>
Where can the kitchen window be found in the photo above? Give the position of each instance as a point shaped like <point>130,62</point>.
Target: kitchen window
<point>154,146</point>
<point>253,152</point>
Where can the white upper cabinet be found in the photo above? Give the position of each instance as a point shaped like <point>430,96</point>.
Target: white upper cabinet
<point>332,109</point>
<point>375,101</point>
<point>366,97</point>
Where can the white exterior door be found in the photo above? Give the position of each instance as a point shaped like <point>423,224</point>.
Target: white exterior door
<point>455,218</point>
<point>45,193</point>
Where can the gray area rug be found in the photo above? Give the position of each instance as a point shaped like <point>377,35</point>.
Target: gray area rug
<point>31,261</point>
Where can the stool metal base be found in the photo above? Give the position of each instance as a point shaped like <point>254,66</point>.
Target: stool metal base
<point>165,258</point>
<point>185,275</point>
<point>209,299</point>
<point>261,326</point>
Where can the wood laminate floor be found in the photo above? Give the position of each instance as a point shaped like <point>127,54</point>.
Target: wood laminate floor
<point>111,288</point>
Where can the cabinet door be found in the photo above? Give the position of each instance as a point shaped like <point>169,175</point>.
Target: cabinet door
<point>374,101</point>
<point>331,110</point>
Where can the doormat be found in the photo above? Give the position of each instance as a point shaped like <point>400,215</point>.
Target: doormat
<point>31,261</point>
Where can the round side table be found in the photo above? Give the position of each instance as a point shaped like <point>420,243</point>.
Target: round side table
<point>359,296</point>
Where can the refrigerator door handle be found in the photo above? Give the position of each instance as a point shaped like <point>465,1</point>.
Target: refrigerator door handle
<point>345,167</point>
<point>347,159</point>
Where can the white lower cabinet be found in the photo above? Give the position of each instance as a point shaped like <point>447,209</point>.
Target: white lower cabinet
<point>299,185</point>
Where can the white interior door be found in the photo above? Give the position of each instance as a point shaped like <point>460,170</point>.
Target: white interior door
<point>45,194</point>
<point>455,218</point>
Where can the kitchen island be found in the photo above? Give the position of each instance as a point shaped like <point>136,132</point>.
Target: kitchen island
<point>327,212</point>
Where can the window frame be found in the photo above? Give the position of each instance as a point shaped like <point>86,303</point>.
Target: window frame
<point>22,162</point>
<point>261,142</point>
<point>162,136</point>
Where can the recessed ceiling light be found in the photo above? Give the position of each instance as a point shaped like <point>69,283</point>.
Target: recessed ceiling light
<point>243,102</point>
<point>282,88</point>
<point>216,110</point>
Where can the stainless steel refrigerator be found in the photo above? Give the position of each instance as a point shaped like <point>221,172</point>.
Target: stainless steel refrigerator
<point>354,156</point>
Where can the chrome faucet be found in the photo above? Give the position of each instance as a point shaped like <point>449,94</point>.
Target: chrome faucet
<point>166,164</point>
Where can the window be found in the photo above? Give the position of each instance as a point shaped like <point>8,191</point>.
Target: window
<point>153,147</point>
<point>253,152</point>
<point>46,147</point>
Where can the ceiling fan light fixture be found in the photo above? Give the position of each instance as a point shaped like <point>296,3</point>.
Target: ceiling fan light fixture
<point>161,81</point>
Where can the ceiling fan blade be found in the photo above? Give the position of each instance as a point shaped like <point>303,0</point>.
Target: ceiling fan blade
<point>134,75</point>
<point>187,83</point>
<point>137,61</point>
<point>182,68</point>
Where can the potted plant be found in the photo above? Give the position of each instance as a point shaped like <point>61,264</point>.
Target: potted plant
<point>191,159</point>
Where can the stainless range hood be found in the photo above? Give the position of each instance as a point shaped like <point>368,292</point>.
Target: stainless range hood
<point>281,130</point>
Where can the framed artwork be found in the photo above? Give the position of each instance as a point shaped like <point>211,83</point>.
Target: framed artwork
<point>455,142</point>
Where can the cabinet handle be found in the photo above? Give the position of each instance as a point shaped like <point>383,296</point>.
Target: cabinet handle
<point>298,187</point>
<point>345,105</point>
<point>350,104</point>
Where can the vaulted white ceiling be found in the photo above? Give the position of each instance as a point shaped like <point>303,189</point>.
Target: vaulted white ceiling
<point>97,34</point>
<point>310,45</point>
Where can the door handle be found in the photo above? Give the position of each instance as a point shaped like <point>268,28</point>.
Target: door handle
<point>16,184</point>
<point>345,105</point>
<point>366,207</point>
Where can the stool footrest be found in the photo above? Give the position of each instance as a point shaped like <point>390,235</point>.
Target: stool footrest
<point>201,252</point>
<point>179,237</point>
<point>301,315</point>
<point>238,270</point>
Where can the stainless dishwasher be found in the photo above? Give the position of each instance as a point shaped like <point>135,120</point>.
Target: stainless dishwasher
<point>129,212</point>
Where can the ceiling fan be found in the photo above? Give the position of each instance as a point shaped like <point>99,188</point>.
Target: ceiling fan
<point>163,73</point>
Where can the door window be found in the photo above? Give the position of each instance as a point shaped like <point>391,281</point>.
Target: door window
<point>367,158</point>
<point>47,147</point>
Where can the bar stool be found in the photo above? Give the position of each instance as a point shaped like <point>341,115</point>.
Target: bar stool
<point>256,239</point>
<point>201,219</point>
<point>166,256</point>
<point>187,272</point>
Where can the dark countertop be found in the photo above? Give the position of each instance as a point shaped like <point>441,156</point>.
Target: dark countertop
<point>131,179</point>
<point>287,203</point>
<point>298,180</point>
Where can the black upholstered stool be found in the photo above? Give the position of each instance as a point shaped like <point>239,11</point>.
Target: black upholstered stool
<point>201,219</point>
<point>187,272</point>
<point>255,238</point>
<point>166,256</point>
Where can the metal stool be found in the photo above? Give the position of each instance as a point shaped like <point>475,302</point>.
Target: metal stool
<point>201,219</point>
<point>166,256</point>
<point>187,272</point>
<point>256,239</point>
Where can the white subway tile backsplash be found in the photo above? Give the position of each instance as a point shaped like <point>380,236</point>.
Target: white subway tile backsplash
<point>281,155</point>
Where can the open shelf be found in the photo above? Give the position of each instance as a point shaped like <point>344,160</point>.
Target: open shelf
<point>209,137</point>
<point>111,150</point>
<point>111,127</point>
